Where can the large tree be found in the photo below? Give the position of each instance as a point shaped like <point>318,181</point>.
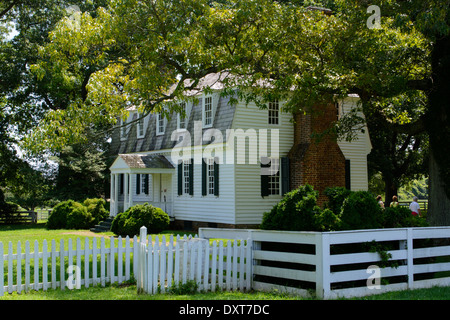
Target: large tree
<point>272,49</point>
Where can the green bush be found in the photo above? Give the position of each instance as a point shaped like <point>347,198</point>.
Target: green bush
<point>360,210</point>
<point>58,217</point>
<point>336,197</point>
<point>70,215</point>
<point>296,211</point>
<point>79,217</point>
<point>97,207</point>
<point>401,217</point>
<point>128,223</point>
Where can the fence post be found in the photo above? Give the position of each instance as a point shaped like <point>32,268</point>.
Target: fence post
<point>323,287</point>
<point>410,260</point>
<point>141,272</point>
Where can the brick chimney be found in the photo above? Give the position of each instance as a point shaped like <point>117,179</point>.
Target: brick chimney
<point>319,163</point>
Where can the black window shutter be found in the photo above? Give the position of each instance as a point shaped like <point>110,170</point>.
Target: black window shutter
<point>180,178</point>
<point>138,184</point>
<point>191,177</point>
<point>264,181</point>
<point>121,178</point>
<point>216,177</point>
<point>285,176</point>
<point>146,182</point>
<point>347,175</point>
<point>204,177</point>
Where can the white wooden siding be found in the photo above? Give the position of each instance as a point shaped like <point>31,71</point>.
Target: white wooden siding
<point>208,208</point>
<point>250,206</point>
<point>356,151</point>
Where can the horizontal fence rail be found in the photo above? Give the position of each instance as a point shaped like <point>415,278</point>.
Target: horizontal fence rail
<point>25,267</point>
<point>193,261</point>
<point>346,263</point>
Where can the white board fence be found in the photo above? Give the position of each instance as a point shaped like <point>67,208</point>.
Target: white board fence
<point>341,264</point>
<point>90,262</point>
<point>210,266</point>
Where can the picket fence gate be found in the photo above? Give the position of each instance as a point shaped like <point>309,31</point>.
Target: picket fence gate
<point>211,266</point>
<point>25,270</point>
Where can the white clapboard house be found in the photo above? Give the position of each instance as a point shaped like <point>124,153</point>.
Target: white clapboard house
<point>225,164</point>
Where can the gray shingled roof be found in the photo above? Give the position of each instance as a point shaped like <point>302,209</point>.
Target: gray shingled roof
<point>138,161</point>
<point>223,119</point>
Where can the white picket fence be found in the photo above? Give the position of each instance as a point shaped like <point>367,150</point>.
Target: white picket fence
<point>95,263</point>
<point>211,266</point>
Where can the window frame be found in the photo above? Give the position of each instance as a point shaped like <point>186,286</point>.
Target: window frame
<point>273,114</point>
<point>160,127</point>
<point>209,112</point>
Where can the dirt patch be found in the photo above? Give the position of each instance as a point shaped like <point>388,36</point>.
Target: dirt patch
<point>87,234</point>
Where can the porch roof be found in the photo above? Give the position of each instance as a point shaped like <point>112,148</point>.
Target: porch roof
<point>141,161</point>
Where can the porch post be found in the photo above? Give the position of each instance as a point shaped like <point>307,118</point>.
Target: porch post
<point>125,192</point>
<point>130,200</point>
<point>116,194</point>
<point>112,199</point>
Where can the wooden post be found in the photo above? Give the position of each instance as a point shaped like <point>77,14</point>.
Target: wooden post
<point>323,287</point>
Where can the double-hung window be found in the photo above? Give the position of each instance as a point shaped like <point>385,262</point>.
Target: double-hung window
<point>182,116</point>
<point>210,176</point>
<point>140,126</point>
<point>274,112</point>
<point>160,123</point>
<point>275,178</point>
<point>207,111</point>
<point>186,177</point>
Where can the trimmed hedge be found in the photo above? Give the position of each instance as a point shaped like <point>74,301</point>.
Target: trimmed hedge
<point>345,210</point>
<point>74,215</point>
<point>128,223</point>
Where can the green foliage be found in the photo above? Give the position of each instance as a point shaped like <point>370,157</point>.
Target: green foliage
<point>360,210</point>
<point>97,208</point>
<point>296,211</point>
<point>79,217</point>
<point>336,197</point>
<point>74,215</point>
<point>130,221</point>
<point>345,210</point>
<point>58,217</point>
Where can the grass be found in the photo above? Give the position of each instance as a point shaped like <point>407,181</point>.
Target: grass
<point>38,232</point>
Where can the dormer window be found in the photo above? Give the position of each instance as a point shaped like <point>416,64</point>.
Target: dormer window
<point>141,126</point>
<point>182,117</point>
<point>207,113</point>
<point>123,128</point>
<point>160,124</point>
<point>274,112</point>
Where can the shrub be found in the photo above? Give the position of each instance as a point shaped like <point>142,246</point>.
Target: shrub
<point>336,197</point>
<point>79,217</point>
<point>360,210</point>
<point>58,217</point>
<point>70,215</point>
<point>327,220</point>
<point>401,217</point>
<point>295,212</point>
<point>97,208</point>
<point>129,222</point>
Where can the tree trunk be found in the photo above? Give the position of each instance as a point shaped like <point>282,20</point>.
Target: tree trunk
<point>439,131</point>
<point>390,190</point>
<point>438,202</point>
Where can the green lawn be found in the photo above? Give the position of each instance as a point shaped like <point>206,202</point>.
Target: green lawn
<point>129,292</point>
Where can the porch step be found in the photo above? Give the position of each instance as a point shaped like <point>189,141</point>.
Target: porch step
<point>104,226</point>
